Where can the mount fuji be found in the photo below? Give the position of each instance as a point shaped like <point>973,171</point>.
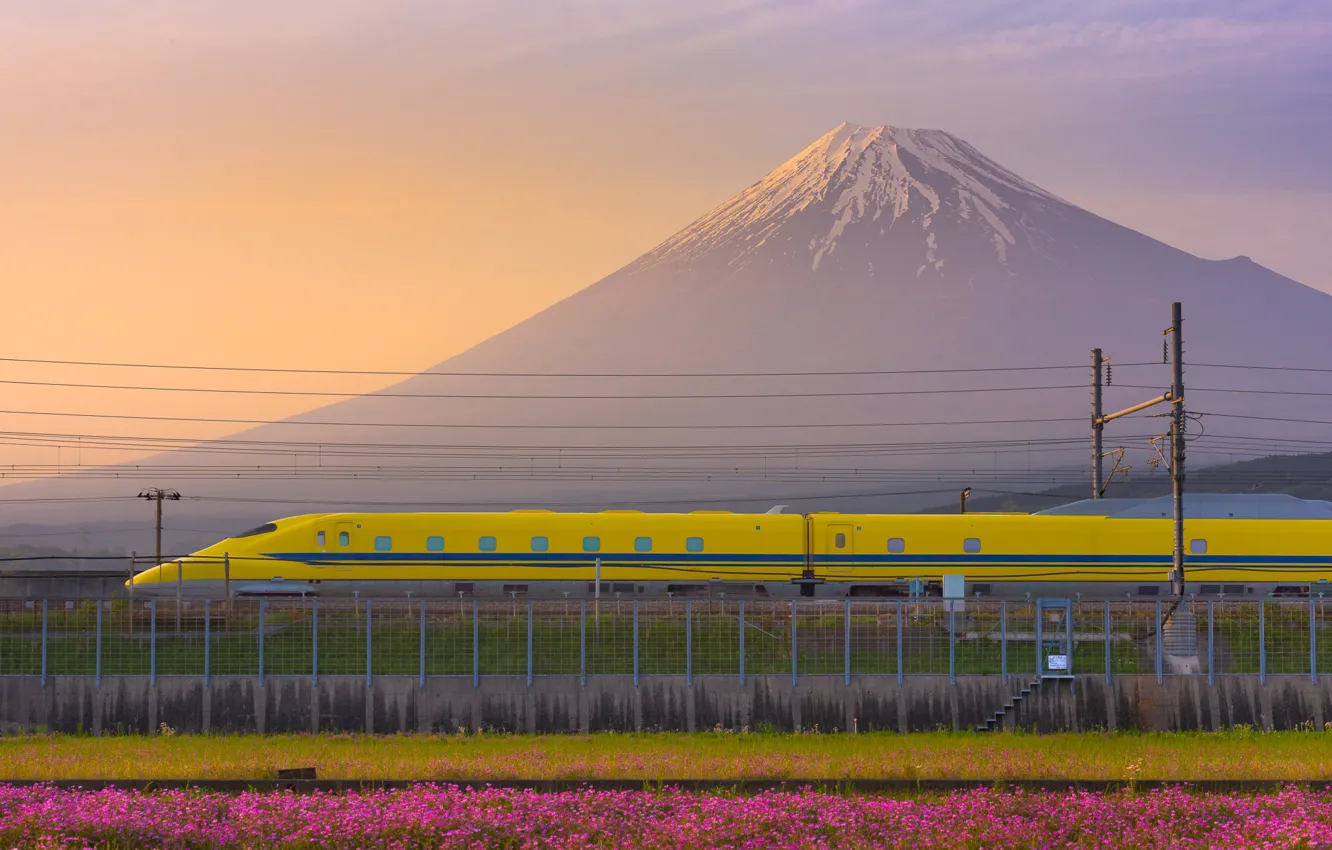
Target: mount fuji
<point>906,262</point>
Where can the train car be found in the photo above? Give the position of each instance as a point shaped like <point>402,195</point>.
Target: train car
<point>1237,546</point>
<point>528,553</point>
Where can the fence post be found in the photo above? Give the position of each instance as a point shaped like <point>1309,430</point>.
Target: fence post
<point>1313,644</point>
<point>846,639</point>
<point>1108,634</point>
<point>1262,644</point>
<point>952,644</point>
<point>1039,626</point>
<point>635,642</point>
<point>152,642</point>
<point>899,643</point>
<point>43,643</point>
<point>795,673</point>
<point>423,633</point>
<point>207,626</point>
<point>369,643</point>
<point>689,643</point>
<point>582,642</point>
<point>1211,643</point>
<point>99,643</point>
<point>742,643</point>
<point>529,643</point>
<point>314,641</point>
<point>476,644</point>
<point>1003,638</point>
<point>1160,643</point>
<point>261,642</point>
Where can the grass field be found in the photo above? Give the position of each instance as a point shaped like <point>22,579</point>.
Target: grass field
<point>1230,755</point>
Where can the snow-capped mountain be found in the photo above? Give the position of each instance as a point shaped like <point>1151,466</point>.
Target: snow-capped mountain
<point>885,193</point>
<point>903,261</point>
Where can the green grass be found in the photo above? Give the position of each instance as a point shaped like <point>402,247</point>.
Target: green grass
<point>1230,755</point>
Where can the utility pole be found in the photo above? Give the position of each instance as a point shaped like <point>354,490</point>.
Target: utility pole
<point>1177,443</point>
<point>157,494</point>
<point>962,500</point>
<point>1176,399</point>
<point>1097,425</point>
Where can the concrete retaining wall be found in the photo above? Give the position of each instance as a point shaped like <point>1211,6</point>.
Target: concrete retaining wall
<point>560,704</point>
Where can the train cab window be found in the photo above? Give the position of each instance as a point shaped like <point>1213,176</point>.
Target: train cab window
<point>839,540</point>
<point>642,544</point>
<point>694,544</point>
<point>263,529</point>
<point>344,539</point>
<point>971,545</point>
<point>486,544</point>
<point>896,545</point>
<point>1198,546</point>
<point>319,538</point>
<point>540,544</point>
<point>383,544</point>
<point>434,544</point>
<point>591,544</point>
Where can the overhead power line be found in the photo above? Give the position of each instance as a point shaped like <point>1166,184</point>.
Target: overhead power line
<point>530,397</point>
<point>432,374</point>
<point>497,426</point>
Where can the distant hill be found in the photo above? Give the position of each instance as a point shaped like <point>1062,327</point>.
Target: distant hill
<point>1303,476</point>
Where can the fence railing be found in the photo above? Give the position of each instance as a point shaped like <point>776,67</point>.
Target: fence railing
<point>691,638</point>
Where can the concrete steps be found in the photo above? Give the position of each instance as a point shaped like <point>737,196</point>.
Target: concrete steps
<point>997,722</point>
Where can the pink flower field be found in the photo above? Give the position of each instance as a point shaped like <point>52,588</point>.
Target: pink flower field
<point>445,816</point>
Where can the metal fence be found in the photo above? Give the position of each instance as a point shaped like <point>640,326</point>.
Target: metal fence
<point>698,637</point>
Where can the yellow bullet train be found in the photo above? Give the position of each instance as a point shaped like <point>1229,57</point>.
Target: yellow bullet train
<point>1236,546</point>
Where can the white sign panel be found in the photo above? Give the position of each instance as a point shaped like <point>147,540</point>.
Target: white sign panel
<point>1057,662</point>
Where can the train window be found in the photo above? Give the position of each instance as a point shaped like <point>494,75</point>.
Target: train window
<point>591,544</point>
<point>319,538</point>
<point>642,544</point>
<point>840,540</point>
<point>263,529</point>
<point>434,544</point>
<point>486,544</point>
<point>1198,546</point>
<point>896,545</point>
<point>540,544</point>
<point>971,545</point>
<point>383,544</point>
<point>694,544</point>
<point>344,538</point>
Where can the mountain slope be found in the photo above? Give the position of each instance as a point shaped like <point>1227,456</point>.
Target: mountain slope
<point>873,249</point>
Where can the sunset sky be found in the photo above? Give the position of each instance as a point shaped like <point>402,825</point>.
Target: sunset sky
<point>380,185</point>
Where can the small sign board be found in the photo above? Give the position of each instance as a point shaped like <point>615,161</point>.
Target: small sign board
<point>1057,662</point>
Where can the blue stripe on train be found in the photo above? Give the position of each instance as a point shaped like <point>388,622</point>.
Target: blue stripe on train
<point>581,558</point>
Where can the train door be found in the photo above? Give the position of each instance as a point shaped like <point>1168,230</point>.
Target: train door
<point>841,543</point>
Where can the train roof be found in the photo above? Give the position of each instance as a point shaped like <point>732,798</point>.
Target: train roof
<point>1201,506</point>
